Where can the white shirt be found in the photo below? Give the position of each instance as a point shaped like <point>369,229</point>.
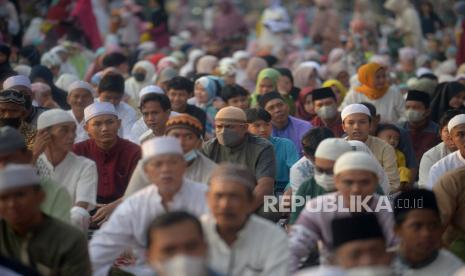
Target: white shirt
<point>452,161</point>
<point>445,264</point>
<point>261,248</point>
<point>127,226</point>
<point>391,106</point>
<point>428,159</point>
<point>137,130</point>
<point>76,173</point>
<point>300,172</point>
<point>128,117</point>
<point>81,133</point>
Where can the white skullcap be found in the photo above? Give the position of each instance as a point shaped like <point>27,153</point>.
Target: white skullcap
<point>18,175</point>
<point>353,109</point>
<point>149,90</point>
<point>332,148</point>
<point>355,160</point>
<point>97,109</point>
<point>53,117</point>
<point>17,80</point>
<point>407,53</point>
<point>359,146</point>
<point>79,84</point>
<point>238,55</point>
<point>423,70</point>
<point>457,120</point>
<point>160,145</point>
<point>24,70</point>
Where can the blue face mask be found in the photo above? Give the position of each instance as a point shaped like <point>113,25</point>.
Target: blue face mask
<point>191,155</point>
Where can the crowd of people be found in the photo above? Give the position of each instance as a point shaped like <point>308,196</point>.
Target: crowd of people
<point>140,137</point>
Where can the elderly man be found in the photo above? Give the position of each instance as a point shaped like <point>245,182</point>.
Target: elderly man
<point>233,144</point>
<point>352,180</point>
<point>189,132</point>
<point>115,157</point>
<point>58,163</point>
<point>240,242</point>
<point>284,125</point>
<point>23,85</point>
<point>80,96</point>
<point>31,237</point>
<point>454,160</point>
<point>13,112</point>
<point>356,119</point>
<point>419,229</point>
<point>57,202</point>
<point>164,164</point>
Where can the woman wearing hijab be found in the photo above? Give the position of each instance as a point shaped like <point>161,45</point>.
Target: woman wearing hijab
<point>267,81</point>
<point>287,89</point>
<point>306,78</point>
<point>448,96</point>
<point>142,76</point>
<point>254,66</point>
<point>338,88</point>
<point>376,90</point>
<point>5,67</point>
<point>40,73</point>
<point>193,56</point>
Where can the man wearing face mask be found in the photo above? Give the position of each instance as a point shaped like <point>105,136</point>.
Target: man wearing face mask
<point>325,104</point>
<point>234,144</point>
<point>189,132</point>
<point>12,113</point>
<point>322,182</point>
<point>418,124</point>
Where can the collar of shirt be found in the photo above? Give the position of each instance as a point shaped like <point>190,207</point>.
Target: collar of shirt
<point>178,198</point>
<point>242,235</point>
<point>107,153</point>
<point>50,166</point>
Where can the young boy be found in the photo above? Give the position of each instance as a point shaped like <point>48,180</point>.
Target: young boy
<point>235,95</point>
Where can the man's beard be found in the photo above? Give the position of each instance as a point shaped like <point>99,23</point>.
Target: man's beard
<point>12,122</point>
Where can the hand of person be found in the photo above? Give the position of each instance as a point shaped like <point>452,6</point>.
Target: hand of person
<point>103,212</point>
<point>41,141</point>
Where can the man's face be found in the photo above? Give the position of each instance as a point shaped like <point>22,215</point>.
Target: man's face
<point>19,205</point>
<point>261,128</point>
<point>360,253</point>
<point>355,183</point>
<point>317,104</point>
<point>63,135</point>
<point>357,126</point>
<point>229,202</point>
<point>416,105</point>
<point>239,129</point>
<point>103,128</point>
<point>189,140</point>
<point>182,238</point>
<point>110,97</point>
<point>11,114</point>
<point>265,86</point>
<point>79,99</point>
<point>458,137</point>
<point>178,99</point>
<point>445,137</point>
<point>241,102</point>
<point>166,171</point>
<point>278,110</point>
<point>420,234</point>
<point>154,116</point>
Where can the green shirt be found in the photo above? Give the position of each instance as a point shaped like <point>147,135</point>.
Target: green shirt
<point>57,202</point>
<point>52,248</point>
<point>308,189</point>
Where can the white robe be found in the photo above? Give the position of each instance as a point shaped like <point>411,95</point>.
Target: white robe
<point>445,264</point>
<point>81,133</point>
<point>261,248</point>
<point>127,226</point>
<point>428,159</point>
<point>452,161</point>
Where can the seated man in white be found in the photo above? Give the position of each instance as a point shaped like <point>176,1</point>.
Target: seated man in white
<point>164,165</point>
<point>55,139</point>
<point>241,243</point>
<point>454,160</point>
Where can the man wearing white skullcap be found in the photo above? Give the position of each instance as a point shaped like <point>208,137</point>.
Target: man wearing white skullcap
<point>80,96</point>
<point>115,157</point>
<point>356,120</point>
<point>56,162</point>
<point>23,85</point>
<point>164,165</point>
<point>322,181</point>
<point>454,160</point>
<point>355,174</point>
<point>48,244</point>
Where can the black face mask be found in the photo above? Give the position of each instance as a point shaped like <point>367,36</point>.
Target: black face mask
<point>12,122</point>
<point>139,76</point>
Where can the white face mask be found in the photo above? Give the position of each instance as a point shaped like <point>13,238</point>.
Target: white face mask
<point>182,265</point>
<point>326,181</point>
<point>414,116</point>
<point>327,111</point>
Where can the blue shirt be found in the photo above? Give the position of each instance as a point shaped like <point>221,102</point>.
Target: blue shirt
<point>286,155</point>
<point>294,131</point>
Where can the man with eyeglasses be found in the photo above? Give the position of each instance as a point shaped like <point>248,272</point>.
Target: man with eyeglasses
<point>13,113</point>
<point>22,84</point>
<point>235,145</point>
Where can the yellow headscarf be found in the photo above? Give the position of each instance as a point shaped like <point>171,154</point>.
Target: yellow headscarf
<point>342,89</point>
<point>366,76</point>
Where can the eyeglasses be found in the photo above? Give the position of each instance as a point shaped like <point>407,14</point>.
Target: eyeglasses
<point>12,96</point>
